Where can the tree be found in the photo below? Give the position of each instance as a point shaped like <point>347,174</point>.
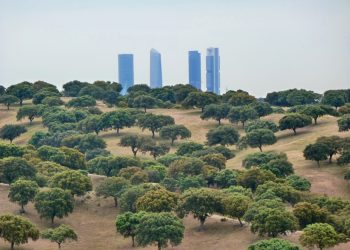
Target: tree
<point>127,224</point>
<point>2,90</point>
<point>224,135</point>
<point>111,98</point>
<point>199,100</point>
<point>55,202</point>
<point>135,142</point>
<point>93,91</point>
<point>10,132</point>
<point>308,213</point>
<point>81,101</point>
<point>225,178</point>
<point>186,166</point>
<point>42,94</point>
<point>242,114</point>
<point>22,91</point>
<point>30,111</point>
<point>155,149</point>
<point>59,234</point>
<point>279,167</point>
<point>281,190</point>
<point>294,121</point>
<point>334,144</point>
<point>23,191</point>
<point>262,108</point>
<point>235,205</point>
<point>90,124</point>
<point>13,168</point>
<point>259,137</point>
<point>173,132</point>
<point>52,101</point>
<point>260,158</point>
<point>157,201</point>
<point>314,111</point>
<point>145,102</point>
<point>159,229</point>
<point>200,202</point>
<point>154,122</point>
<point>8,100</point>
<point>298,183</point>
<point>72,180</point>
<point>273,221</point>
<point>316,152</point>
<point>216,112</point>
<point>252,178</point>
<point>344,123</point>
<point>273,244</point>
<point>240,98</point>
<point>7,150</point>
<point>321,235</point>
<point>112,187</point>
<point>17,230</point>
<point>117,120</point>
<point>215,160</point>
<point>259,124</point>
<point>111,166</point>
<point>188,148</point>
<point>83,142</point>
<point>72,88</point>
<point>334,98</point>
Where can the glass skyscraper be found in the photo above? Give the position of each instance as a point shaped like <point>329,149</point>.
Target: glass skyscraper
<point>194,69</point>
<point>213,70</point>
<point>155,69</point>
<point>126,71</point>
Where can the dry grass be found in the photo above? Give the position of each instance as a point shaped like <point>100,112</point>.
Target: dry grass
<point>94,218</point>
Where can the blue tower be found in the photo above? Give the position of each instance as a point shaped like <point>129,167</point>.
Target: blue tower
<point>194,69</point>
<point>156,80</point>
<point>213,70</point>
<point>126,71</point>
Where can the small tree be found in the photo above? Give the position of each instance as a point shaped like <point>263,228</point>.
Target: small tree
<point>90,124</point>
<point>13,168</point>
<point>23,191</point>
<point>188,148</point>
<point>59,234</point>
<point>82,101</point>
<point>344,123</point>
<point>22,91</point>
<point>224,135</point>
<point>117,120</point>
<point>173,132</point>
<point>8,100</point>
<point>294,121</point>
<point>200,202</point>
<point>321,235</point>
<point>314,111</point>
<point>54,202</point>
<point>279,167</point>
<point>334,98</point>
<point>10,132</point>
<point>145,102</point>
<point>17,230</point>
<point>259,137</point>
<point>215,160</point>
<point>259,124</point>
<point>242,114</point>
<point>199,100</point>
<point>159,229</point>
<point>157,201</point>
<point>127,224</point>
<point>30,111</point>
<point>112,187</point>
<point>154,122</point>
<point>72,180</point>
<point>273,244</point>
<point>155,149</point>
<point>235,206</point>
<point>334,144</point>
<point>316,152</point>
<point>216,112</point>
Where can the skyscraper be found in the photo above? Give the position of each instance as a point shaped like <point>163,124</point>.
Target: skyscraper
<point>126,71</point>
<point>194,68</point>
<point>213,70</point>
<point>155,69</point>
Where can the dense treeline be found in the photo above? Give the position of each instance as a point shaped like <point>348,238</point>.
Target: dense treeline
<point>54,168</point>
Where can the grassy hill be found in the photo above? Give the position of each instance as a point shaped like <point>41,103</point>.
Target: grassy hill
<point>94,218</point>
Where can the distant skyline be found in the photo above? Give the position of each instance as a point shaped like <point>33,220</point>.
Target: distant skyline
<point>265,45</point>
<point>155,65</point>
<point>126,71</point>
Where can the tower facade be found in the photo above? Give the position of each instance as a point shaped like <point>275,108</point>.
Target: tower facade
<point>156,79</point>
<point>213,70</point>
<point>194,69</point>
<point>126,71</point>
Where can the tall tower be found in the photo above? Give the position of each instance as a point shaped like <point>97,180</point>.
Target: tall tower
<point>194,69</point>
<point>155,69</point>
<point>126,71</point>
<point>213,70</point>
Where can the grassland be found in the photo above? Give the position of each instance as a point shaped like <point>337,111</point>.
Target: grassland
<point>93,219</point>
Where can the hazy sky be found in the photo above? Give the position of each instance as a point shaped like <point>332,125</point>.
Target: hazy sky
<point>264,44</point>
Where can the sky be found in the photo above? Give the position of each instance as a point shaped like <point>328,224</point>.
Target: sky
<point>265,45</point>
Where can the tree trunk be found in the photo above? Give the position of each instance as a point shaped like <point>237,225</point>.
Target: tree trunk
<point>318,163</point>
<point>12,245</point>
<point>145,109</point>
<point>52,220</point>
<point>240,222</point>
<point>11,141</point>
<point>295,131</point>
<point>115,201</point>
<point>219,121</point>
<point>117,131</point>
<point>315,120</point>
<point>201,225</point>
<point>330,158</point>
<point>172,141</point>
<point>134,152</point>
<point>243,124</point>
<point>59,245</point>
<point>30,121</point>
<point>20,102</point>
<point>152,133</point>
<point>159,246</point>
<point>8,107</point>
<point>260,147</point>
<point>22,209</point>
<point>133,240</point>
